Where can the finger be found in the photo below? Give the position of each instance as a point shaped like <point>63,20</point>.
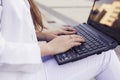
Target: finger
<point>77,36</point>
<point>68,28</point>
<point>76,44</point>
<point>80,37</point>
<point>78,40</point>
<point>68,32</point>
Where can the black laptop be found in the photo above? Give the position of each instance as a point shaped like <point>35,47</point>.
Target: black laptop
<point>101,32</point>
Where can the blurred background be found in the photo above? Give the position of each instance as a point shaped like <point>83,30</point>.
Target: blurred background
<point>77,10</point>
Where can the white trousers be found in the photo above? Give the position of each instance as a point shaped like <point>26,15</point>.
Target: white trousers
<point>105,66</point>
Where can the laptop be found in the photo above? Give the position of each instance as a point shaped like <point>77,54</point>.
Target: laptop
<point>101,32</point>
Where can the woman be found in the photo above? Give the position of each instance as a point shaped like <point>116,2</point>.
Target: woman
<point>20,53</point>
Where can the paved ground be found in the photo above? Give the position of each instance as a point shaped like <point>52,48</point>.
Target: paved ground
<point>77,10</point>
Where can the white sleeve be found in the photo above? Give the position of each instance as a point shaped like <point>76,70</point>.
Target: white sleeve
<point>19,57</point>
<point>24,57</point>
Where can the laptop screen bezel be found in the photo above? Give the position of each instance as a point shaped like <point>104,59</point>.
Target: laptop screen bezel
<point>103,28</point>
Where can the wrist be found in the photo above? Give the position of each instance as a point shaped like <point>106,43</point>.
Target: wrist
<point>48,36</point>
<point>41,36</point>
<point>46,49</point>
<point>50,49</point>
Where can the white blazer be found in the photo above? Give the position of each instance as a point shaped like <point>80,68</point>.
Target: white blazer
<point>19,50</point>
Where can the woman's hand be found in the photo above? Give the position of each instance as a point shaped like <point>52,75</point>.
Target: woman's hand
<point>63,31</point>
<point>61,44</point>
<point>50,34</point>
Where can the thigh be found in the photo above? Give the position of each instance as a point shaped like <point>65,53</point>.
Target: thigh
<point>84,69</point>
<point>111,70</point>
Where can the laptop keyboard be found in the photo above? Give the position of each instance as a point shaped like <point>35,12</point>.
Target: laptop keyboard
<point>92,45</point>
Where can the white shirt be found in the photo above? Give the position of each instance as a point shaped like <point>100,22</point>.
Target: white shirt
<point>19,50</point>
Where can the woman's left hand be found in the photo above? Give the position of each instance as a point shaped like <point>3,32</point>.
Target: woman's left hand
<point>50,34</point>
<point>63,31</point>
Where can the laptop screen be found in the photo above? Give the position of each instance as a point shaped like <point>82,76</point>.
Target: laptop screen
<point>105,16</point>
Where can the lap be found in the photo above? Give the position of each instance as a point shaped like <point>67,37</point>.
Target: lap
<point>112,70</point>
<point>84,69</point>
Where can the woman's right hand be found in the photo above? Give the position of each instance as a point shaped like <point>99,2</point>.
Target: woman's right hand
<point>61,44</point>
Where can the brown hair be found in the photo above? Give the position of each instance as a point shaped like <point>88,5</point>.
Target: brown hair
<point>36,15</point>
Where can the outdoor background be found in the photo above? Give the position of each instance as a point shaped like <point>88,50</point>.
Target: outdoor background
<point>77,10</point>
